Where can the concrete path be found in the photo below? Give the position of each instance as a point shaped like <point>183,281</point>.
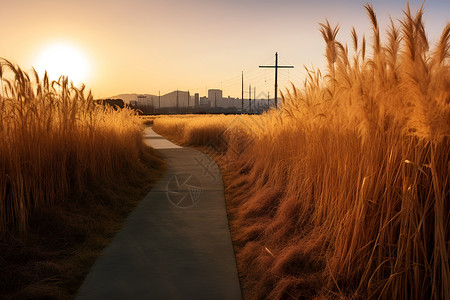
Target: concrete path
<point>176,244</point>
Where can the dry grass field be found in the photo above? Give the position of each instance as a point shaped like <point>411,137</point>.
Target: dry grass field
<point>343,192</point>
<point>70,172</point>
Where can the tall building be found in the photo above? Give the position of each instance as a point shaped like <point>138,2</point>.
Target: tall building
<point>196,99</point>
<point>215,97</point>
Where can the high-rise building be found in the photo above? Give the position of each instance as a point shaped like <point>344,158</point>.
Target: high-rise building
<point>214,97</point>
<point>196,99</point>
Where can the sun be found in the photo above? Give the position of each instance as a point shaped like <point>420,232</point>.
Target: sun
<point>63,59</point>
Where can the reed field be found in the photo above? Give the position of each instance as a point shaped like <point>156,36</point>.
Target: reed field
<point>56,140</point>
<point>343,192</point>
<point>70,172</point>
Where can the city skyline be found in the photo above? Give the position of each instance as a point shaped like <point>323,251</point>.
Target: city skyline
<point>183,102</point>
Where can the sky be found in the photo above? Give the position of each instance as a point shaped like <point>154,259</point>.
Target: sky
<point>152,46</point>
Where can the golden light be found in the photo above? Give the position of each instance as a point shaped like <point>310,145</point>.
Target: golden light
<point>63,59</point>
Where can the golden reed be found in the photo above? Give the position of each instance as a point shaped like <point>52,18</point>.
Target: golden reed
<point>55,140</point>
<point>343,192</point>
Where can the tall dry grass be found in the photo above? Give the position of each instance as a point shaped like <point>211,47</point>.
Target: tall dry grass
<point>56,140</point>
<point>344,191</point>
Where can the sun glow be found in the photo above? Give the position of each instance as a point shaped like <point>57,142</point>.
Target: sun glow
<point>63,59</point>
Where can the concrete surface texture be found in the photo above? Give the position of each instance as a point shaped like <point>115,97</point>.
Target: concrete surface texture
<point>176,244</point>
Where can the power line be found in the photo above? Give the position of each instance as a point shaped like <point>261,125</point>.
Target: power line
<point>276,67</point>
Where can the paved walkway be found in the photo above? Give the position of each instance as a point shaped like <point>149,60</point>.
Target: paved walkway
<point>176,244</point>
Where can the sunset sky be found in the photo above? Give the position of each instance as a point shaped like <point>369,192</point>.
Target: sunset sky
<point>147,46</point>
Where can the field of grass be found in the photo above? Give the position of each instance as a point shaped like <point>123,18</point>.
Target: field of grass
<point>343,192</point>
<point>70,172</point>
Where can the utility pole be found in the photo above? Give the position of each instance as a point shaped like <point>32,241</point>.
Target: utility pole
<point>188,100</point>
<point>268,100</point>
<point>250,98</point>
<point>276,75</point>
<point>254,98</point>
<point>159,100</point>
<point>242,92</point>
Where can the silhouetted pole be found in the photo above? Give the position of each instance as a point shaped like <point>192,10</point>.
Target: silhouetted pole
<point>276,79</point>
<point>249,98</point>
<point>188,100</point>
<point>268,100</point>
<point>254,98</point>
<point>177,102</point>
<point>242,91</point>
<point>276,75</point>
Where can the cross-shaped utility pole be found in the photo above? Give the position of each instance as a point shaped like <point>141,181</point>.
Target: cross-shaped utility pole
<point>276,74</point>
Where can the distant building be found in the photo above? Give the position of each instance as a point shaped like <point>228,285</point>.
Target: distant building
<point>215,97</point>
<point>229,102</point>
<point>204,101</point>
<point>147,103</point>
<point>196,100</point>
<point>181,102</point>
